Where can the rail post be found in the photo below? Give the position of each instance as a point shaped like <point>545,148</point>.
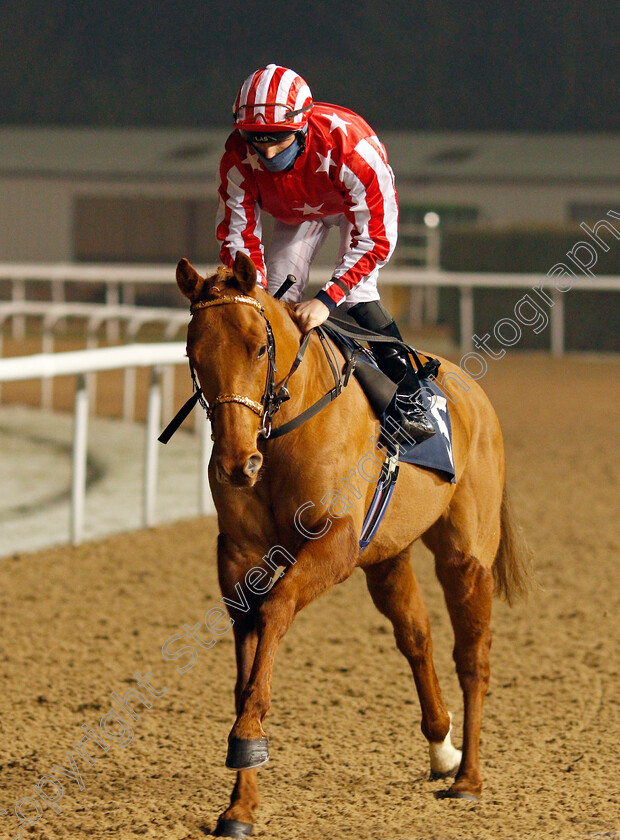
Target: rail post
<point>18,295</point>
<point>205,501</point>
<point>467,318</point>
<point>47,346</point>
<point>80,454</point>
<point>557,323</point>
<point>112,298</point>
<point>151,449</point>
<point>168,379</point>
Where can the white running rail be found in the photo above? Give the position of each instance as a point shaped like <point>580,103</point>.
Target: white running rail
<point>116,278</point>
<point>83,362</point>
<point>53,315</point>
<point>117,281</point>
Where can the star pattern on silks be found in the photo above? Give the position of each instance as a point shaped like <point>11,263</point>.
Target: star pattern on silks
<point>326,161</point>
<point>338,123</point>
<point>308,210</point>
<point>252,160</point>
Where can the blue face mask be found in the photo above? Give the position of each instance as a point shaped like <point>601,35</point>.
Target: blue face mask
<point>284,159</point>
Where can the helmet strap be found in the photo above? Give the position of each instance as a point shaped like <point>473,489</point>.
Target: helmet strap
<point>301,139</point>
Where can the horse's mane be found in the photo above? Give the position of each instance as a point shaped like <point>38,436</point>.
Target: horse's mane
<point>290,309</point>
<point>224,282</point>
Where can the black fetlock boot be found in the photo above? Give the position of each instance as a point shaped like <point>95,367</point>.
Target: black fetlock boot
<point>395,363</point>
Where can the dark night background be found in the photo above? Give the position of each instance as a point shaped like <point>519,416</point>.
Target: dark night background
<point>527,66</point>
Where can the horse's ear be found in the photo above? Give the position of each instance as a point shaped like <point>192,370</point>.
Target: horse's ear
<point>244,272</point>
<point>188,280</point>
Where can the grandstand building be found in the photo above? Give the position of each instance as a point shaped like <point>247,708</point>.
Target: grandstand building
<point>144,195</point>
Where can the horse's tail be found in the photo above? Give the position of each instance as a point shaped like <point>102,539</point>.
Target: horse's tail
<point>512,569</point>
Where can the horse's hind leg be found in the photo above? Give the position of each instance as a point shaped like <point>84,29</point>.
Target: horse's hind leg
<point>395,592</point>
<point>468,589</point>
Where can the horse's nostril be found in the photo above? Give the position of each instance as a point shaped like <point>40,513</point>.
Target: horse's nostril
<point>253,464</point>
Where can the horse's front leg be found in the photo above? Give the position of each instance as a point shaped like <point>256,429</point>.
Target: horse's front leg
<point>238,819</point>
<point>320,564</point>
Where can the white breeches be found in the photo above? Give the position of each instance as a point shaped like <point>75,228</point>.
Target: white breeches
<point>294,247</point>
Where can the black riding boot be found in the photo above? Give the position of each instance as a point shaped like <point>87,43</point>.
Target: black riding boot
<point>395,363</point>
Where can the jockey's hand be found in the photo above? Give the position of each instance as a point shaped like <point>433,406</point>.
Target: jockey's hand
<point>311,313</point>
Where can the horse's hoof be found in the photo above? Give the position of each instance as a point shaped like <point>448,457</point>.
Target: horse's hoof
<point>233,828</point>
<point>458,794</point>
<point>245,753</point>
<point>434,776</point>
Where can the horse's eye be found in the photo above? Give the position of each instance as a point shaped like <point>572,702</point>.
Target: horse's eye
<point>261,352</point>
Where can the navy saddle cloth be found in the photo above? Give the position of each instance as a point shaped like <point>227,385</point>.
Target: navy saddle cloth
<point>435,453</point>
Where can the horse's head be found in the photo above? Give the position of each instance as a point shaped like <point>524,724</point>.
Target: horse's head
<point>227,347</point>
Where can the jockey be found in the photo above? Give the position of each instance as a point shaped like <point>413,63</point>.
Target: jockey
<point>314,166</point>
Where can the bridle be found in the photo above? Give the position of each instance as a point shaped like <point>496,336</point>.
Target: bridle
<point>272,398</point>
<point>270,401</point>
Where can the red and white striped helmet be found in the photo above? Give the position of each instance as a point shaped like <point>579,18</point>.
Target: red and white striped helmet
<point>272,98</point>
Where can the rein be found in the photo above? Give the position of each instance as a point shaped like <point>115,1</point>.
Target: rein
<point>272,399</point>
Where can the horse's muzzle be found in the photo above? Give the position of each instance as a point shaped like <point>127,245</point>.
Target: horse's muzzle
<point>244,474</point>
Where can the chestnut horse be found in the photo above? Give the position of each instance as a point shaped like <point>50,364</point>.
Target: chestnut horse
<point>260,485</point>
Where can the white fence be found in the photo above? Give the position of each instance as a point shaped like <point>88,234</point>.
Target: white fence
<point>83,362</point>
<point>120,281</point>
<point>466,283</point>
<point>134,317</point>
<point>95,314</point>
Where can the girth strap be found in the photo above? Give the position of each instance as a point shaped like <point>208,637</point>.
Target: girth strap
<point>381,499</point>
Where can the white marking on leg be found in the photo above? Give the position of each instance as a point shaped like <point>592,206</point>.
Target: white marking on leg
<point>445,759</point>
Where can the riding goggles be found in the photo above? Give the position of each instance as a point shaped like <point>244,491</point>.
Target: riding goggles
<point>265,137</point>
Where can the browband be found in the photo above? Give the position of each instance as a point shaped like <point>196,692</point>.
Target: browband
<point>204,304</point>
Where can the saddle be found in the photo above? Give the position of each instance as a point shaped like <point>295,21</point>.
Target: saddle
<point>436,452</point>
<point>379,389</point>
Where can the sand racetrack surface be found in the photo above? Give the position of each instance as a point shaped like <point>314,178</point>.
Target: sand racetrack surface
<point>347,757</point>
